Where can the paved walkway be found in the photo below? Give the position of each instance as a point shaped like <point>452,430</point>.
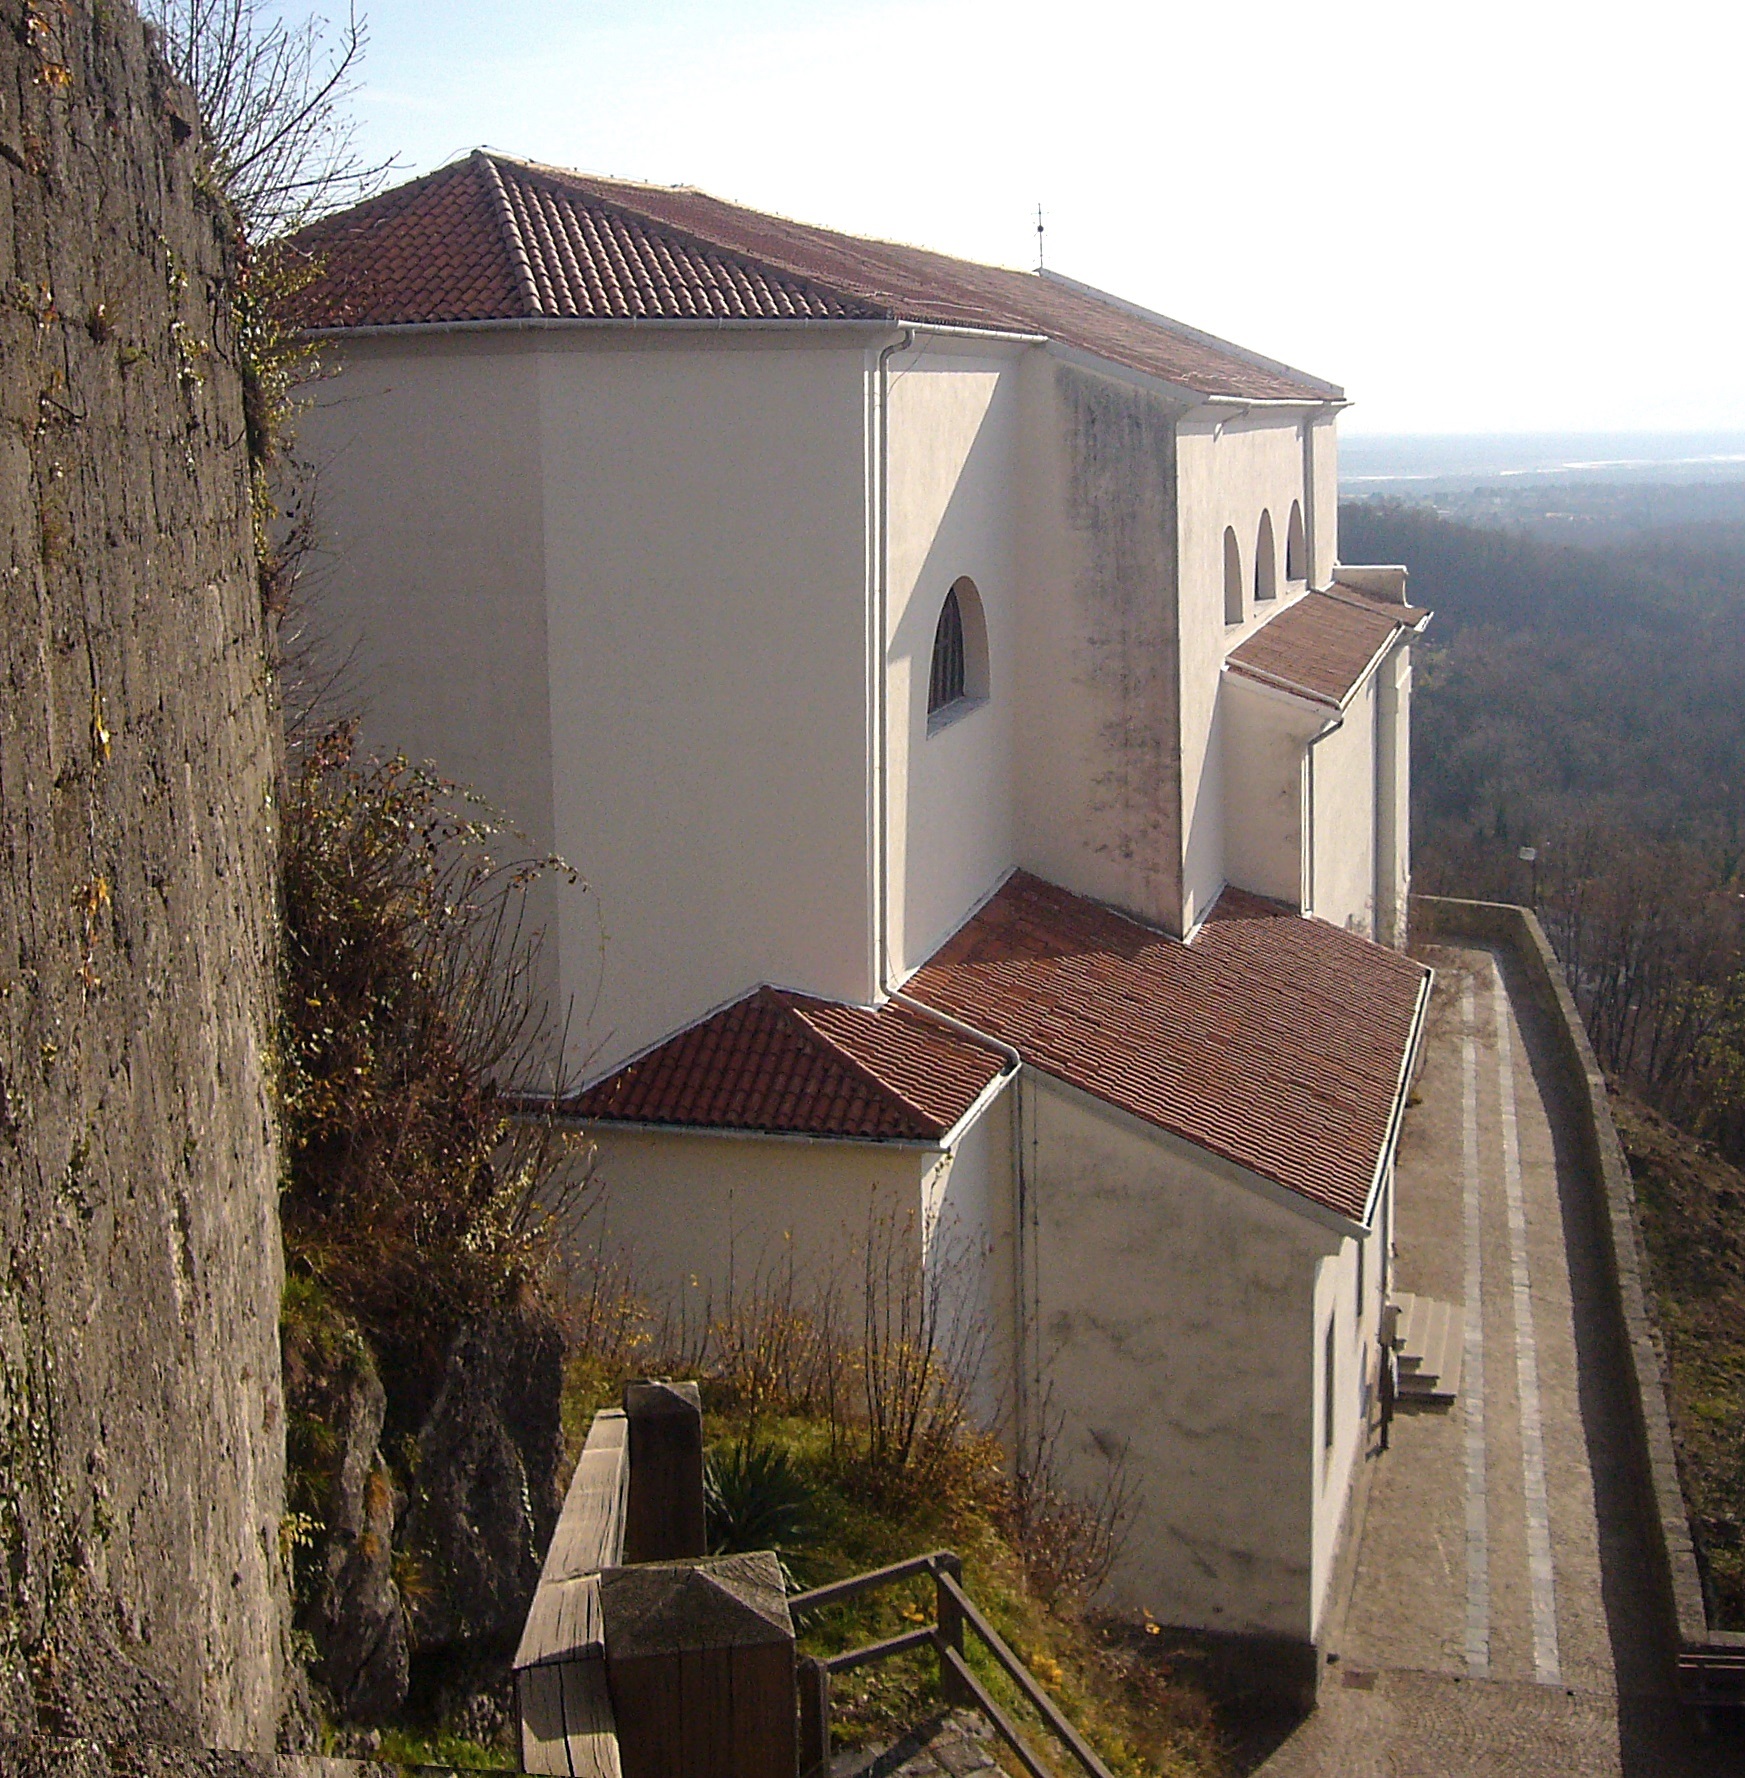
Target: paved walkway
<point>1503,1617</point>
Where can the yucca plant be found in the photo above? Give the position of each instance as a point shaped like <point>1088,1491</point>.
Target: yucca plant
<point>756,1499</point>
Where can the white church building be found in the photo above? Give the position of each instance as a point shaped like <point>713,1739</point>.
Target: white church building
<point>992,786</point>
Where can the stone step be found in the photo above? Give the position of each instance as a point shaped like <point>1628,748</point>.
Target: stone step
<point>1431,1337</point>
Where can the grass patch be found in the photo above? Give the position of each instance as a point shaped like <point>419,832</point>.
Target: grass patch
<point>838,1433</point>
<point>403,1747</point>
<point>1692,1206</point>
<point>1113,1681</point>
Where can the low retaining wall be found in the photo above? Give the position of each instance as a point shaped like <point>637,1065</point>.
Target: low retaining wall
<point>1711,1663</point>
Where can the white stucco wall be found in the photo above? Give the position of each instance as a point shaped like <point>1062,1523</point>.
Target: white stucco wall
<point>621,591</point>
<point>953,457</point>
<point>1393,860</point>
<point>1263,736</point>
<point>1321,472</point>
<point>1096,782</point>
<point>1349,1295</point>
<point>1230,472</point>
<point>967,1200</point>
<point>1343,846</point>
<point>427,590</point>
<point>706,562</point>
<point>695,1218</point>
<point>1173,1306</point>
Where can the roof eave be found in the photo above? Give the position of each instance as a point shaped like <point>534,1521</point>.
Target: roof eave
<point>1287,690</point>
<point>871,325</point>
<point>1402,1092</point>
<point>731,1132</point>
<point>1181,393</point>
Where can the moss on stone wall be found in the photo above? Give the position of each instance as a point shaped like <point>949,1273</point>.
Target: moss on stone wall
<point>141,1436</point>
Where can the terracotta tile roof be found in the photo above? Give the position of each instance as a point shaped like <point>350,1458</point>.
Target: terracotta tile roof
<point>488,239</point>
<point>1323,645</point>
<point>1273,1040</point>
<point>495,238</point>
<point>788,1064</point>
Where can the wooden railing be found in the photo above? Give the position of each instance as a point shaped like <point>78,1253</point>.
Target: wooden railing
<point>958,1683</point>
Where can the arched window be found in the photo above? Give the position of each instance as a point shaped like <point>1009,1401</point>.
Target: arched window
<point>946,685</point>
<point>1232,577</point>
<point>958,680</point>
<point>1296,546</point>
<point>1265,561</point>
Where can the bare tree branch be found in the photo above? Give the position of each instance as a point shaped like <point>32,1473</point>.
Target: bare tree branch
<point>273,97</point>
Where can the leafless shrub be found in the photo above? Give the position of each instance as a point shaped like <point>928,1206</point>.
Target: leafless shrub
<point>1068,1540</point>
<point>607,1318</point>
<point>273,99</point>
<point>775,1344</point>
<point>921,1356</point>
<point>892,1376</point>
<point>420,1186</point>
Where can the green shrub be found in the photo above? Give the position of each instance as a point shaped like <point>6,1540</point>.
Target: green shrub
<point>756,1499</point>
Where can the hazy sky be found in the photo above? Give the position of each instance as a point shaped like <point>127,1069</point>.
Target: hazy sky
<point>1475,217</point>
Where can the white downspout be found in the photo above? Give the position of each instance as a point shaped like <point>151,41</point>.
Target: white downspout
<point>880,690</point>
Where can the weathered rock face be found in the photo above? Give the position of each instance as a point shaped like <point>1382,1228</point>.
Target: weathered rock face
<point>141,1438</point>
<point>356,1619</point>
<point>484,1493</point>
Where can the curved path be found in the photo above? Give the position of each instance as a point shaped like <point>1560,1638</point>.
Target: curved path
<point>1503,1616</point>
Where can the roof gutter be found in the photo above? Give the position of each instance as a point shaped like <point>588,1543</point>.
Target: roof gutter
<point>598,1126</point>
<point>952,330</point>
<point>1013,1060</point>
<point>576,323</point>
<point>675,324</point>
<point>1334,403</point>
<point>1397,1116</point>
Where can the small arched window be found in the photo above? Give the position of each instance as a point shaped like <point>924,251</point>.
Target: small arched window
<point>1296,546</point>
<point>1265,561</point>
<point>958,679</point>
<point>946,686</point>
<point>1232,577</point>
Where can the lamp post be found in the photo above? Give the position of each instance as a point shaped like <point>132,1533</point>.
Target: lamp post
<point>1529,856</point>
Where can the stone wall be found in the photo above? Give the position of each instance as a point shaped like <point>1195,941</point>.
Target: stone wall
<point>141,1435</point>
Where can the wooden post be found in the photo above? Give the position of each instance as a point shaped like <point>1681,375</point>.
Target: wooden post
<point>700,1663</point>
<point>950,1615</point>
<point>664,1520</point>
<point>814,1682</point>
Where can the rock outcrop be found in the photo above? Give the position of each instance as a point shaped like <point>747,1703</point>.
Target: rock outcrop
<point>354,1615</point>
<point>484,1489</point>
<point>141,1437</point>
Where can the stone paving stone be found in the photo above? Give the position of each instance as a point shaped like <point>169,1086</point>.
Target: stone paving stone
<point>1403,1698</point>
<point>956,1745</point>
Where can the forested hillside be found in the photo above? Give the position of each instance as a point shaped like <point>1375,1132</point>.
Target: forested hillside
<point>1591,705</point>
<point>1561,685</point>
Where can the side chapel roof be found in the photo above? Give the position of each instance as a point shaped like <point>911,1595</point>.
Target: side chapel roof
<point>788,1064</point>
<point>1276,1041</point>
<point>1323,646</point>
<point>490,238</point>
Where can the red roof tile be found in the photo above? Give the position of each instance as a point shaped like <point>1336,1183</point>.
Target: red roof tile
<point>788,1064</point>
<point>1323,645</point>
<point>495,238</point>
<point>1273,1040</point>
<point>488,239</point>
